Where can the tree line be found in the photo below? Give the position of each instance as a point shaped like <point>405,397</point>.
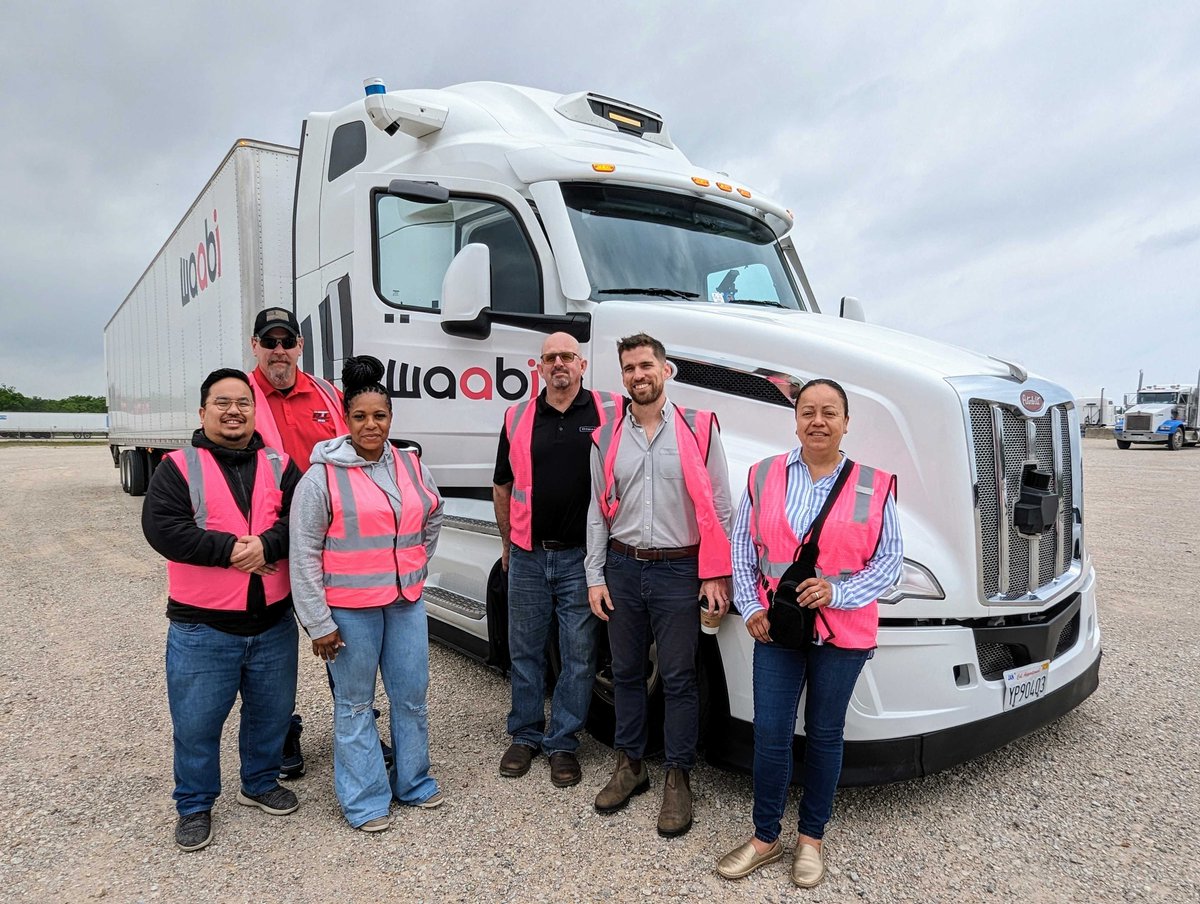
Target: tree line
<point>11,400</point>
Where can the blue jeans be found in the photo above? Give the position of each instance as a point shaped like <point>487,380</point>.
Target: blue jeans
<point>391,641</point>
<point>540,584</point>
<point>779,677</point>
<point>206,670</point>
<point>659,598</point>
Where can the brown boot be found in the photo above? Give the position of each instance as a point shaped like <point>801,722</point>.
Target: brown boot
<point>675,817</point>
<point>624,784</point>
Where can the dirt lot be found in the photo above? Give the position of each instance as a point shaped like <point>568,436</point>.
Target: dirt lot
<point>1100,806</point>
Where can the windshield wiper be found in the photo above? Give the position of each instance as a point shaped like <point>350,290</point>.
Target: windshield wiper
<point>657,293</point>
<point>763,301</point>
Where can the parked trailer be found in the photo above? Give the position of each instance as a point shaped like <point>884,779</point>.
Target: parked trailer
<point>446,232</point>
<point>49,424</point>
<point>1096,412</point>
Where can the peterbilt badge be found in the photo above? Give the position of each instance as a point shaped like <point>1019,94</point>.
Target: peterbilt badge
<point>1032,400</point>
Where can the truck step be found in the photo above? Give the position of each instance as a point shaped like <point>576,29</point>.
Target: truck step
<point>455,602</point>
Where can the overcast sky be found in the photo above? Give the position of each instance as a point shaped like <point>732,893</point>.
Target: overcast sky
<point>1022,179</point>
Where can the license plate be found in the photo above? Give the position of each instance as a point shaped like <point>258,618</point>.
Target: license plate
<point>1025,684</point>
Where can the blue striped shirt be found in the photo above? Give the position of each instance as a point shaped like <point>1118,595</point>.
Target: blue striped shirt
<point>802,504</point>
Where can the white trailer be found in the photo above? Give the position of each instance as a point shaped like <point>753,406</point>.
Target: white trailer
<point>1167,415</point>
<point>446,232</point>
<point>48,424</point>
<point>1096,412</point>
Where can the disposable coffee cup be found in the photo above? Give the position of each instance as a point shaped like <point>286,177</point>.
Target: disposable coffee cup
<point>710,622</point>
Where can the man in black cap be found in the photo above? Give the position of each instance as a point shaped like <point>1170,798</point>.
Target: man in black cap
<point>294,411</point>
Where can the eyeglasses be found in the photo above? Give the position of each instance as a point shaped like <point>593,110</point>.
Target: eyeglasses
<point>270,342</point>
<point>223,404</point>
<point>567,357</point>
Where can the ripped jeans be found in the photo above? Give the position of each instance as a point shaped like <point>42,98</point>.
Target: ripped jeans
<point>392,641</point>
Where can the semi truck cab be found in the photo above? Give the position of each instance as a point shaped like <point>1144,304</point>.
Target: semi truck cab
<point>1164,415</point>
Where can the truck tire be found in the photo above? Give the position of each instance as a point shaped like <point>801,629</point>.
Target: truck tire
<point>1123,444</point>
<point>602,716</point>
<point>1175,440</point>
<point>134,472</point>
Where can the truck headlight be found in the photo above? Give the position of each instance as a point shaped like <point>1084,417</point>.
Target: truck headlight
<point>916,583</point>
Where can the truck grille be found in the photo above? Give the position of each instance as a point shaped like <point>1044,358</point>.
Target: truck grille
<point>1014,564</point>
<point>1137,422</point>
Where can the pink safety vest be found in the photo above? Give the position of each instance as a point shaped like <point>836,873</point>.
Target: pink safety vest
<point>214,508</point>
<point>369,559</point>
<point>518,422</point>
<point>693,431</point>
<point>264,417</point>
<point>848,541</point>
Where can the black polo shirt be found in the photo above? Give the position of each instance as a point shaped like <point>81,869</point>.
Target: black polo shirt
<point>562,479</point>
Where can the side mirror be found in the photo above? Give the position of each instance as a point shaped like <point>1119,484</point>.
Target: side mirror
<point>467,293</point>
<point>852,309</point>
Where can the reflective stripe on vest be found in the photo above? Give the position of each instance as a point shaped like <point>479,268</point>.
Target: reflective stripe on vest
<point>848,541</point>
<point>370,559</point>
<point>214,508</point>
<point>693,434</point>
<point>518,423</point>
<point>264,417</point>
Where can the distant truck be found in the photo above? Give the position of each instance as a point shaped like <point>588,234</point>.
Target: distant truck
<point>1097,412</point>
<point>49,424</point>
<point>1166,415</point>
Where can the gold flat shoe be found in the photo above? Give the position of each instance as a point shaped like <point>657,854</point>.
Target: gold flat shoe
<point>807,868</point>
<point>744,859</point>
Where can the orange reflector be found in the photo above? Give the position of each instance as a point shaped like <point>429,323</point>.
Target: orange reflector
<point>743,193</point>
<point>604,167</point>
<point>617,117</point>
<point>703,183</point>
<point>724,186</point>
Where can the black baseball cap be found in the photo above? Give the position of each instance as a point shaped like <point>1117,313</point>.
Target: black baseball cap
<point>271,318</point>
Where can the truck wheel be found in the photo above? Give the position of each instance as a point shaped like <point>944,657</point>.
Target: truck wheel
<point>134,473</point>
<point>602,717</point>
<point>1175,441</point>
<point>1123,444</point>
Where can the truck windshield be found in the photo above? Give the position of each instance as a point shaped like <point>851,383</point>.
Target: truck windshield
<point>1156,398</point>
<point>638,242</point>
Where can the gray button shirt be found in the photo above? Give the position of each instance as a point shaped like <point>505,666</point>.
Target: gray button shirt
<point>655,509</point>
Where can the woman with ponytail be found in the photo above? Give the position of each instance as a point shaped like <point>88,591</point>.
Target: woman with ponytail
<point>364,523</point>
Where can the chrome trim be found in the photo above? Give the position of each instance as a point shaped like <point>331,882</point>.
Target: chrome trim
<point>1056,416</point>
<point>1001,498</point>
<point>472,525</point>
<point>1035,543</point>
<point>455,602</point>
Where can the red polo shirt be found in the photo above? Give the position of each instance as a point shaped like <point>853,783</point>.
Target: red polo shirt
<point>302,416</point>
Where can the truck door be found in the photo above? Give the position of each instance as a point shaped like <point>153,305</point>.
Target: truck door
<point>450,389</point>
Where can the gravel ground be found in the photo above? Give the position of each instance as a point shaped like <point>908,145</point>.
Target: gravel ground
<point>1098,807</point>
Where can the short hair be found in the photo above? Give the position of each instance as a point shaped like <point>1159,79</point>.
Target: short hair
<point>361,375</point>
<point>223,373</point>
<point>832,384</point>
<point>641,340</point>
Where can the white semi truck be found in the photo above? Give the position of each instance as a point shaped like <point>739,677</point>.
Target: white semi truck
<point>1166,415</point>
<point>49,424</point>
<point>447,231</point>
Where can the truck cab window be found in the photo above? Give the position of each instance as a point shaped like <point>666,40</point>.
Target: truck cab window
<point>415,243</point>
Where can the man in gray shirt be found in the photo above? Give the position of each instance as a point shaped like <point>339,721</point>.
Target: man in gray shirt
<point>658,528</point>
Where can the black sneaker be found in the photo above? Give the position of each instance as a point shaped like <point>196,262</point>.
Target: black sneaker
<point>279,801</point>
<point>292,765</point>
<point>193,831</point>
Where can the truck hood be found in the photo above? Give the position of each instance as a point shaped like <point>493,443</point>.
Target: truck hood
<point>1163,410</point>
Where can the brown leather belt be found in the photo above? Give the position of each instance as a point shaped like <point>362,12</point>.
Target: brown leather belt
<point>653,555</point>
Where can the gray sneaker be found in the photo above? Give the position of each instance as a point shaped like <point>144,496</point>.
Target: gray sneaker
<point>193,831</point>
<point>278,801</point>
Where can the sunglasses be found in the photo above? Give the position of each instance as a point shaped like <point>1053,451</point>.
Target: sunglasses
<point>270,342</point>
<point>567,357</point>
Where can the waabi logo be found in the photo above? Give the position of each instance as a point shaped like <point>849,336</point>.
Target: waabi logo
<point>202,267</point>
<point>1032,400</point>
<point>408,381</point>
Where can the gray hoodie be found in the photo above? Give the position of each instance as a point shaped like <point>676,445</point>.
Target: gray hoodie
<point>310,518</point>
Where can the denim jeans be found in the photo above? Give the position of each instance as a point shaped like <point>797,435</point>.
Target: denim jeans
<point>659,598</point>
<point>779,677</point>
<point>540,584</point>
<point>206,670</point>
<point>391,641</point>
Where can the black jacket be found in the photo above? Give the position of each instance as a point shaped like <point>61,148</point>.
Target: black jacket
<point>170,527</point>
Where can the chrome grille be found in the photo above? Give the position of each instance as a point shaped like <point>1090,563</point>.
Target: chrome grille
<point>1004,441</point>
<point>1137,422</point>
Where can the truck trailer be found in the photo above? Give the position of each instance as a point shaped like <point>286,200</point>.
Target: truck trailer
<point>1167,415</point>
<point>49,424</point>
<point>447,231</point>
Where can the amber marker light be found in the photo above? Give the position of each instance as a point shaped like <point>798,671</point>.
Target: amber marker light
<point>724,186</point>
<point>703,183</point>
<point>743,193</point>
<point>625,120</point>
<point>604,167</point>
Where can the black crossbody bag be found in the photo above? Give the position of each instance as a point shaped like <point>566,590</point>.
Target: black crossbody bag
<point>791,625</point>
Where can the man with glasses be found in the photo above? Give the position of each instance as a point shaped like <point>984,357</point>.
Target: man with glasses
<point>541,488</point>
<point>217,511</point>
<point>295,412</point>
